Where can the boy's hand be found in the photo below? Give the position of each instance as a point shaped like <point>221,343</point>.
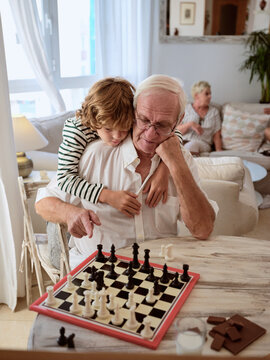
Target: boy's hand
<point>124,201</point>
<point>157,186</point>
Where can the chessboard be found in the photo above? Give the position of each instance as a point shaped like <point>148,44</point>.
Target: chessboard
<point>118,296</point>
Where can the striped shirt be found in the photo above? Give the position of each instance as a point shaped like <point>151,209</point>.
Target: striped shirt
<point>76,137</point>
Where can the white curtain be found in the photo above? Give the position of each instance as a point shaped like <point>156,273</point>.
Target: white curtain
<point>11,214</point>
<point>124,38</point>
<point>29,30</point>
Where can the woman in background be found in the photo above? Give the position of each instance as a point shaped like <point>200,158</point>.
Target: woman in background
<point>201,125</point>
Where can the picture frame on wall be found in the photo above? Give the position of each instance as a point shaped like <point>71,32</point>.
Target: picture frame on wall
<point>187,13</point>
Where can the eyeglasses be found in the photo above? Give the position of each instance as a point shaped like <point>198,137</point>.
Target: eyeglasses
<point>159,128</point>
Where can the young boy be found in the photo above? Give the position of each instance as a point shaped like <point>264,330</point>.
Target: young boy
<point>107,114</point>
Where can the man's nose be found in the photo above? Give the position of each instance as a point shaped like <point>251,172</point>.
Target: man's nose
<point>151,131</point>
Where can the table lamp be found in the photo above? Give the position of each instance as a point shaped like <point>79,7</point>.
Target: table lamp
<point>27,138</point>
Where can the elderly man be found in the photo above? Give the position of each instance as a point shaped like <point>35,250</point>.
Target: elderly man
<point>159,106</point>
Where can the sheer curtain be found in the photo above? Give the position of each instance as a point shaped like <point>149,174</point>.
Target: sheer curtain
<point>11,219</point>
<point>124,38</point>
<point>29,30</point>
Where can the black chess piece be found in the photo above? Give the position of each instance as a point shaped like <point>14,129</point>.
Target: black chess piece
<point>112,274</point>
<point>151,276</point>
<point>165,278</point>
<point>100,280</point>
<point>176,283</point>
<point>146,266</point>
<point>185,277</point>
<point>100,256</point>
<point>92,277</point>
<point>130,283</point>
<point>156,287</point>
<point>129,270</point>
<point>112,257</point>
<point>70,341</point>
<point>135,261</point>
<point>62,340</point>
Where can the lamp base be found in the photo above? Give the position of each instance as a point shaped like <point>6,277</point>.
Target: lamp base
<point>25,165</point>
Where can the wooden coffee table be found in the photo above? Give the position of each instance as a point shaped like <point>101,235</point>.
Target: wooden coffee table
<point>235,279</point>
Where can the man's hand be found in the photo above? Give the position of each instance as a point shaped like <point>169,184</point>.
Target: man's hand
<point>124,201</point>
<point>157,186</point>
<point>169,150</point>
<point>81,222</point>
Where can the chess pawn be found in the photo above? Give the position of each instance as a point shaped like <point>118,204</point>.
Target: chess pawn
<point>70,286</point>
<point>75,307</point>
<point>162,251</point>
<point>111,305</point>
<point>147,332</point>
<point>86,283</point>
<point>94,290</point>
<point>168,253</point>
<point>117,319</point>
<point>130,303</point>
<point>50,301</point>
<point>150,297</point>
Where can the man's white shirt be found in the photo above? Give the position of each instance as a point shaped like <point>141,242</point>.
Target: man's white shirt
<point>115,167</point>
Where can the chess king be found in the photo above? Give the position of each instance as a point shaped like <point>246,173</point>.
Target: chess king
<point>159,104</point>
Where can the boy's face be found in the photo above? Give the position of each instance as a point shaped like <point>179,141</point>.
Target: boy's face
<point>112,137</point>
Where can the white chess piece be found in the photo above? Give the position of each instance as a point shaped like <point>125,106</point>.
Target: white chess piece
<point>86,282</point>
<point>70,286</point>
<point>169,253</point>
<point>75,307</point>
<point>130,302</point>
<point>96,302</point>
<point>102,312</point>
<point>150,297</point>
<point>117,319</point>
<point>94,289</point>
<point>88,310</point>
<point>131,323</point>
<point>50,301</point>
<point>147,332</point>
<point>162,251</point>
<point>111,305</point>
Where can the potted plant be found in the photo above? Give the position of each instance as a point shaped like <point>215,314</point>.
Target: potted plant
<point>258,61</point>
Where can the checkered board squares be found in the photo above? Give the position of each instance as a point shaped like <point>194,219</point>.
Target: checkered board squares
<point>161,313</point>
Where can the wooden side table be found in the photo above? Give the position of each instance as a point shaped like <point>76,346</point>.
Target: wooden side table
<point>257,173</point>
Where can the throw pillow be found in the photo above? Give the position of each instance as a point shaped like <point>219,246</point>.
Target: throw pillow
<point>243,130</point>
<point>221,168</point>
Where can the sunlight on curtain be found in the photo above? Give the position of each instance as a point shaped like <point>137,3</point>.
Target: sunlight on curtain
<point>124,38</point>
<point>29,31</point>
<point>11,220</point>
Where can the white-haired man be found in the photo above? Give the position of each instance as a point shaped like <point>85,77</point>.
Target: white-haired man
<point>159,106</point>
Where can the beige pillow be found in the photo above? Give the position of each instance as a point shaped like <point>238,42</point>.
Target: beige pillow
<point>222,168</point>
<point>242,130</point>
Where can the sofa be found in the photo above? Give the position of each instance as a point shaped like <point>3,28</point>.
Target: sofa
<point>224,179</point>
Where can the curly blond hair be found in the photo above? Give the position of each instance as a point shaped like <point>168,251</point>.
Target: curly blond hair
<point>109,103</point>
<point>199,87</point>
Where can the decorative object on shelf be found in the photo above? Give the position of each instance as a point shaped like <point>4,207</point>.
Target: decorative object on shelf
<point>258,61</point>
<point>187,13</point>
<point>263,4</point>
<point>27,138</point>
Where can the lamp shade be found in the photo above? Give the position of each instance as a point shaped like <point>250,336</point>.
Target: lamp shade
<point>26,136</point>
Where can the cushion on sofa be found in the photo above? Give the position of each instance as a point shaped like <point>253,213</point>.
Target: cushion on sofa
<point>223,168</point>
<point>243,130</point>
<point>51,127</point>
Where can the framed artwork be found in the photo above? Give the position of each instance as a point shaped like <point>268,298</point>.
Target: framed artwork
<point>187,13</point>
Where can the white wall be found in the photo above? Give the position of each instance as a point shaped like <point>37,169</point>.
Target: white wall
<point>214,62</point>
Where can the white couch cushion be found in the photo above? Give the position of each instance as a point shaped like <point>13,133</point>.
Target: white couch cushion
<point>243,130</point>
<point>222,168</point>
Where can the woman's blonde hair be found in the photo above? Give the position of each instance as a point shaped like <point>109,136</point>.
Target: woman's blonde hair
<point>165,82</point>
<point>199,87</point>
<point>108,103</point>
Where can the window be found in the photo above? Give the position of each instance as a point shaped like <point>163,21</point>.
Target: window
<point>69,33</point>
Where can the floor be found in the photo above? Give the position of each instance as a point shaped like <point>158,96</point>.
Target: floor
<point>15,326</point>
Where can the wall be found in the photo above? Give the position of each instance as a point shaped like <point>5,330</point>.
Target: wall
<point>217,63</point>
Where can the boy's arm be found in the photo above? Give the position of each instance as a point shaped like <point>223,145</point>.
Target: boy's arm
<point>75,138</point>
